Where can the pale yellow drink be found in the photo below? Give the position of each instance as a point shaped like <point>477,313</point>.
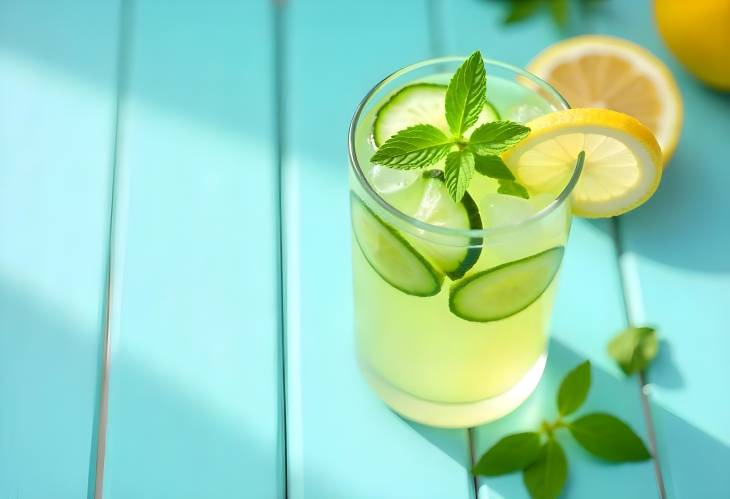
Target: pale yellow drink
<point>423,360</point>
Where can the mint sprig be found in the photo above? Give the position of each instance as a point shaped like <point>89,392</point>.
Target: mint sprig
<point>634,348</point>
<point>458,172</point>
<point>540,456</point>
<point>424,145</point>
<point>415,147</point>
<point>466,94</point>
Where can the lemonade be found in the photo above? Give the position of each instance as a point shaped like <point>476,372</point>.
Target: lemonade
<point>452,299</point>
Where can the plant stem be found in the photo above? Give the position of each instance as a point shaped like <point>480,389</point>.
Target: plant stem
<point>549,428</point>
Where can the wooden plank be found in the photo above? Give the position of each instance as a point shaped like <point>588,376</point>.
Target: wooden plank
<point>57,88</point>
<point>678,275</point>
<point>194,404</point>
<point>588,310</point>
<point>342,441</point>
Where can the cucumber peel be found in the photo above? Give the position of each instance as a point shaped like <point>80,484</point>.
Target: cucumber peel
<point>504,290</point>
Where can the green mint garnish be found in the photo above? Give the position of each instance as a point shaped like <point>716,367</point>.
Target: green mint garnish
<point>540,457</point>
<point>545,477</point>
<point>520,10</point>
<point>608,437</point>
<point>512,453</point>
<point>512,188</point>
<point>415,147</point>
<point>492,166</point>
<point>574,389</point>
<point>458,172</point>
<point>497,137</point>
<point>424,145</point>
<point>634,348</point>
<point>466,94</point>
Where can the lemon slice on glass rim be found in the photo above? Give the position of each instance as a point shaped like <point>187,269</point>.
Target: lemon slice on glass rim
<point>600,71</point>
<point>622,167</point>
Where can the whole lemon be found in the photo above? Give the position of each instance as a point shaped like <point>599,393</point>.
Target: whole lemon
<point>698,34</point>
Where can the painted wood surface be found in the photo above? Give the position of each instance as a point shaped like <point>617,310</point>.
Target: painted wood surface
<point>194,392</point>
<point>197,387</point>
<point>57,94</point>
<point>343,442</point>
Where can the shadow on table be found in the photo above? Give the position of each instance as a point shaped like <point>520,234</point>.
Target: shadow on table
<point>609,393</point>
<point>174,443</point>
<point>684,224</point>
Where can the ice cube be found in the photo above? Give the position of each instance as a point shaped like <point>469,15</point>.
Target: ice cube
<point>501,209</point>
<point>523,113</point>
<point>389,180</point>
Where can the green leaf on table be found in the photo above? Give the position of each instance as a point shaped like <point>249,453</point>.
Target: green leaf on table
<point>512,188</point>
<point>414,147</point>
<point>458,172</point>
<point>559,12</point>
<point>634,348</point>
<point>521,10</point>
<point>492,166</point>
<point>574,388</point>
<point>496,137</point>
<point>608,437</point>
<point>466,94</point>
<point>510,454</point>
<point>546,476</point>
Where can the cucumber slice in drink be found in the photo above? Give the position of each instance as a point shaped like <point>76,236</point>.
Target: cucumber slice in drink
<point>506,289</point>
<point>390,255</point>
<point>418,104</point>
<point>433,205</point>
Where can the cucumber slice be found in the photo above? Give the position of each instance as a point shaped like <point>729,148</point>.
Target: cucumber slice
<point>420,103</point>
<point>436,207</point>
<point>506,289</point>
<point>390,255</point>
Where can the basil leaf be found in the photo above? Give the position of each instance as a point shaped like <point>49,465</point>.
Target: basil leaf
<point>609,438</point>
<point>512,453</point>
<point>574,389</point>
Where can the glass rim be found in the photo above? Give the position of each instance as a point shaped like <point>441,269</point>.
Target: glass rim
<point>438,229</point>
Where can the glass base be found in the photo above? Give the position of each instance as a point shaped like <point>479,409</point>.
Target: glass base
<point>455,415</point>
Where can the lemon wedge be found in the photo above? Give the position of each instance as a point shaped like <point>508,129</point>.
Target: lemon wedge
<point>622,167</point>
<point>607,72</point>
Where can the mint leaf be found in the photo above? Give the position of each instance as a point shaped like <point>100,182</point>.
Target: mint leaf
<point>512,188</point>
<point>512,453</point>
<point>521,10</point>
<point>496,137</point>
<point>466,94</point>
<point>492,166</point>
<point>559,12</point>
<point>415,147</point>
<point>545,477</point>
<point>459,171</point>
<point>634,348</point>
<point>574,389</point>
<point>608,437</point>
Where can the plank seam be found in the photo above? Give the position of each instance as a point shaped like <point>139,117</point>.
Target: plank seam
<point>631,321</point>
<point>123,45</point>
<point>279,117</point>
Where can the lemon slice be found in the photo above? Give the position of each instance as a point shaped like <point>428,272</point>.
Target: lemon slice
<point>612,73</point>
<point>622,167</point>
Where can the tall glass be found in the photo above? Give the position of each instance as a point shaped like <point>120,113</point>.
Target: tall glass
<point>426,362</point>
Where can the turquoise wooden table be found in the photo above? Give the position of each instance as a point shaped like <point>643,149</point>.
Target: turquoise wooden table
<point>175,316</point>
